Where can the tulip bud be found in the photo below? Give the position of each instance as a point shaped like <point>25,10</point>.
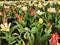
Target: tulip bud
<point>17,16</point>
<point>20,19</point>
<point>32,13</point>
<point>4,20</point>
<point>49,24</point>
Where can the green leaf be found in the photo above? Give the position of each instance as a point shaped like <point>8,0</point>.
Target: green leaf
<point>13,28</point>
<point>33,30</point>
<point>58,23</point>
<point>58,43</point>
<point>21,29</point>
<point>49,30</point>
<point>26,35</point>
<point>32,37</point>
<point>2,37</point>
<point>30,40</point>
<point>13,41</point>
<point>13,38</point>
<point>45,30</point>
<point>21,42</point>
<point>29,37</point>
<point>44,38</point>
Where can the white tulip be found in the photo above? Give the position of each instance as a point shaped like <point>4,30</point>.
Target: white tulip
<point>24,8</point>
<point>58,2</point>
<point>5,27</point>
<point>51,10</point>
<point>30,4</point>
<point>6,7</point>
<point>40,5</point>
<point>39,12</point>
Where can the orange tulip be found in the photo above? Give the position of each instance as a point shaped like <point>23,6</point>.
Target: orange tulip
<point>20,19</point>
<point>32,12</point>
<point>59,11</point>
<point>49,24</point>
<point>17,16</point>
<point>1,14</point>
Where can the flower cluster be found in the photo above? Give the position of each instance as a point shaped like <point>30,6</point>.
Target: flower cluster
<point>20,21</point>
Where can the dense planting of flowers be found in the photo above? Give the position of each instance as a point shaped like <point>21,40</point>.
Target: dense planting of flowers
<point>30,23</point>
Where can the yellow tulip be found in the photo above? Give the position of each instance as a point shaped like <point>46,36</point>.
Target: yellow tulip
<point>40,21</point>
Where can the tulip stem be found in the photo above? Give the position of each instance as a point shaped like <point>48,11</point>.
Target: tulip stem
<point>46,43</point>
<point>0,41</point>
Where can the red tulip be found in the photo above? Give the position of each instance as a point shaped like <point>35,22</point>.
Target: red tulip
<point>32,12</point>
<point>20,19</point>
<point>4,20</point>
<point>54,39</point>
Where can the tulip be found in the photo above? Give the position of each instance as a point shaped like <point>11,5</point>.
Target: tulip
<point>39,12</point>
<point>51,10</point>
<point>55,1</point>
<point>17,16</point>
<point>54,39</point>
<point>51,3</point>
<point>5,27</point>
<point>35,5</point>
<point>6,7</point>
<point>19,6</point>
<point>59,11</point>
<point>58,2</point>
<point>32,12</point>
<point>30,4</point>
<point>45,3</point>
<point>1,14</point>
<point>49,24</point>
<point>24,8</point>
<point>40,21</point>
<point>40,5</point>
<point>20,19</point>
<point>4,20</point>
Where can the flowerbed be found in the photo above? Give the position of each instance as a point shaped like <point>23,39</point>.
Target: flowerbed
<point>30,23</point>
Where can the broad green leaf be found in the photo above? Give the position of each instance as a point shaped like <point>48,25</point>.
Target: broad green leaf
<point>45,30</point>
<point>13,38</point>
<point>44,38</point>
<point>33,30</point>
<point>49,30</point>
